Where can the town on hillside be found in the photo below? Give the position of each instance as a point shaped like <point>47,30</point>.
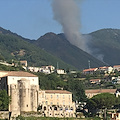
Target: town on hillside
<point>93,92</point>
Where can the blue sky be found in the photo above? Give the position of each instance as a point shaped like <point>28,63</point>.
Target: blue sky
<point>33,18</point>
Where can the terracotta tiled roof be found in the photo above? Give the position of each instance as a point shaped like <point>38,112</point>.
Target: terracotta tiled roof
<point>101,91</point>
<point>91,69</point>
<point>116,66</point>
<point>58,91</point>
<point>19,73</point>
<point>104,67</point>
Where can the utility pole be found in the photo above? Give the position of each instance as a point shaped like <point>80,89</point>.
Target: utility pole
<point>57,66</point>
<point>89,64</point>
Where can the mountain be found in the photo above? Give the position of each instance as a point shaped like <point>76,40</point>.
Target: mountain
<point>59,46</point>
<point>105,44</point>
<point>13,46</point>
<point>52,48</point>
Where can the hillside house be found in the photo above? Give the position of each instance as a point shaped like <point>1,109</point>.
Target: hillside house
<point>117,93</point>
<point>92,92</point>
<point>106,69</point>
<point>60,71</point>
<point>43,69</point>
<point>34,69</point>
<point>5,63</point>
<point>90,71</point>
<point>116,67</point>
<point>95,81</point>
<point>115,116</point>
<point>49,67</point>
<point>116,80</point>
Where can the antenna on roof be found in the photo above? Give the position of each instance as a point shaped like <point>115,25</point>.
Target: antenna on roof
<point>57,66</point>
<point>89,64</point>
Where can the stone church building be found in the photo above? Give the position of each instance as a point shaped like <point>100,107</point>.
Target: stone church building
<point>26,96</point>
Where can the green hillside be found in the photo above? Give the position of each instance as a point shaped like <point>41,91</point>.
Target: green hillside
<point>51,49</point>
<point>106,42</point>
<point>15,47</point>
<point>59,46</point>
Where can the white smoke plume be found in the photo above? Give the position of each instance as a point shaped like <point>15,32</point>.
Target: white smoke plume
<point>66,12</point>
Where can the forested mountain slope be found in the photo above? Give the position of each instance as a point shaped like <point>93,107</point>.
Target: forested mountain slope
<point>52,48</point>
<point>59,46</point>
<point>105,43</point>
<point>15,47</point>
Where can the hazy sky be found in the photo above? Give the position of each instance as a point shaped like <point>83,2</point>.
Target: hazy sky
<point>34,18</point>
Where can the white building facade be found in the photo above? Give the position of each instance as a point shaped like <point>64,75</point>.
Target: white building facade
<point>23,89</point>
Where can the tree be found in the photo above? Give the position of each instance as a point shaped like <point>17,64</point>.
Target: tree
<point>104,100</point>
<point>101,101</point>
<point>4,100</point>
<point>1,57</point>
<point>77,88</point>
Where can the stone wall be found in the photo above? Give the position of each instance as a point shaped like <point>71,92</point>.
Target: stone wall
<point>4,114</point>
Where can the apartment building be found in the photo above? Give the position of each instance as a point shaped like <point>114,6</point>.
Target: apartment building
<point>56,103</point>
<point>92,92</point>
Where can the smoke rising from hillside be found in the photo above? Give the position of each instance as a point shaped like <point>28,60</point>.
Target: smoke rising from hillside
<point>66,12</point>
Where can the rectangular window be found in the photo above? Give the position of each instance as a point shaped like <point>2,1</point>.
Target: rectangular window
<point>69,96</point>
<point>42,95</point>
